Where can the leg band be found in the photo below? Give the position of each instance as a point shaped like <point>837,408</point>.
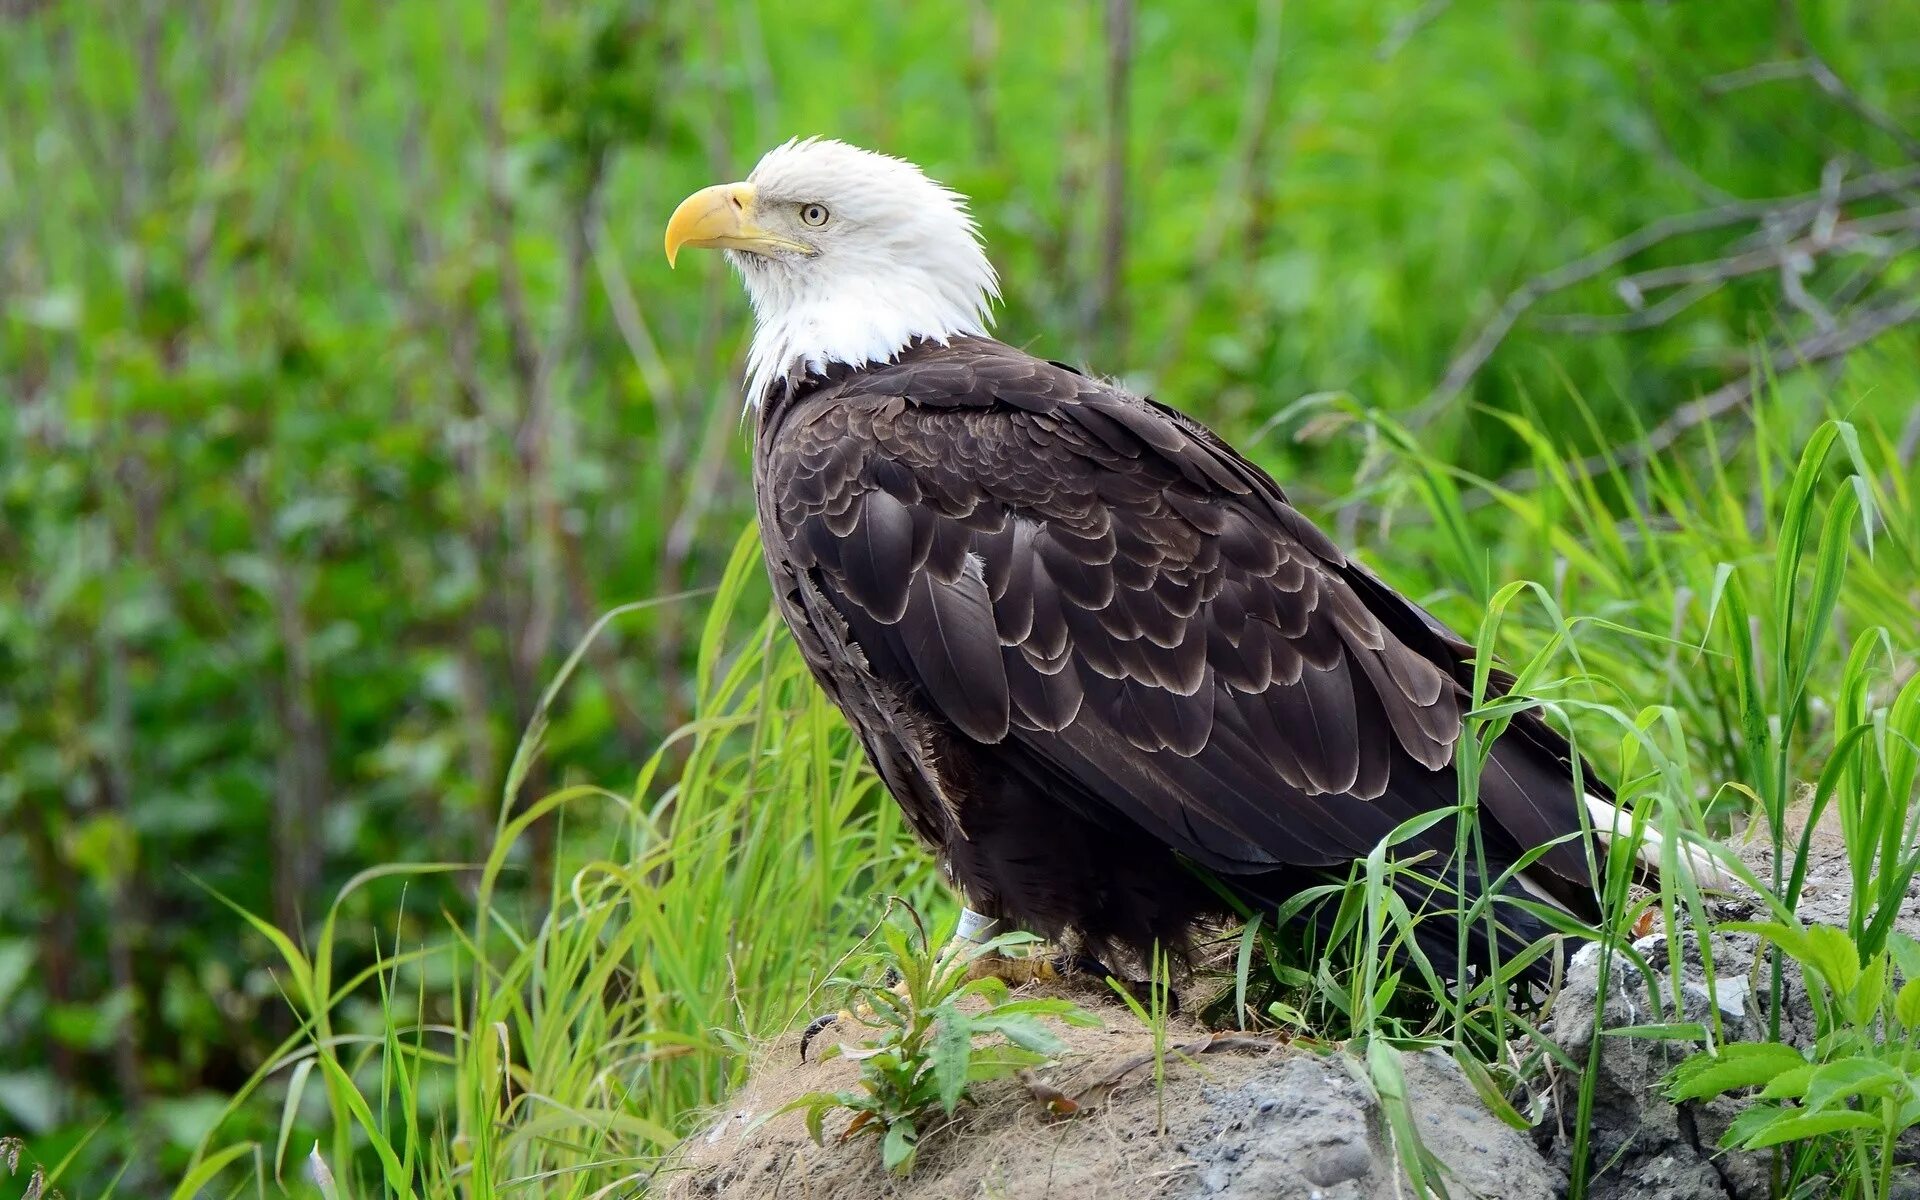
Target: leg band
<point>976,928</point>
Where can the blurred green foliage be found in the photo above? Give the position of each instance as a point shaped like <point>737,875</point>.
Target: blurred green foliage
<point>344,384</point>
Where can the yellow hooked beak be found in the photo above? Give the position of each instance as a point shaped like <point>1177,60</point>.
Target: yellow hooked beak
<point>723,217</point>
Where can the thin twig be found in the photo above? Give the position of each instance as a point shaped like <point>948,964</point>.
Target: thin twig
<point>1758,73</point>
<point>1873,270</point>
<point>1698,281</point>
<point>629,319</point>
<point>1788,211</point>
<point>1407,27</point>
<point>1735,393</point>
<point>1627,322</point>
<point>1838,237</point>
<point>1829,81</point>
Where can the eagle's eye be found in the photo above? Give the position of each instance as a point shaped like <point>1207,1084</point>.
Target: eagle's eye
<point>814,214</point>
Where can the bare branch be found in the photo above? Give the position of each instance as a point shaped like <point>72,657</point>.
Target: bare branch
<point>1867,326</point>
<point>628,317</point>
<point>1788,212</point>
<point>1873,270</point>
<point>1407,27</point>
<point>1839,237</point>
<point>1758,73</point>
<point>1828,80</point>
<point>1627,322</point>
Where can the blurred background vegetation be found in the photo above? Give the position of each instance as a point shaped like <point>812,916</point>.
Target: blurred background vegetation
<point>345,385</point>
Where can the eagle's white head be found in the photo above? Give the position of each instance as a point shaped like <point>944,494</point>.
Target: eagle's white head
<point>847,255</point>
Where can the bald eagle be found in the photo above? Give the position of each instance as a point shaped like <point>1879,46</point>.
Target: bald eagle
<point>1088,646</point>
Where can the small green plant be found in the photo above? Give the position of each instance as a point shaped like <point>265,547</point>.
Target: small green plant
<point>1153,1014</point>
<point>924,1053</point>
<point>1845,1103</point>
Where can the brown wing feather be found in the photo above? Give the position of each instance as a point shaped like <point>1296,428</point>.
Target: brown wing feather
<point>1078,575</point>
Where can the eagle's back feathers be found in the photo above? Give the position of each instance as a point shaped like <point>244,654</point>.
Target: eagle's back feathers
<point>1020,580</point>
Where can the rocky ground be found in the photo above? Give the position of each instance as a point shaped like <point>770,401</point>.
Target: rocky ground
<point>1246,1118</point>
<point>1241,1119</point>
<point>1656,1150</point>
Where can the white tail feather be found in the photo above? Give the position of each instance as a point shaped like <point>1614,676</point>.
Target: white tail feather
<point>1610,821</point>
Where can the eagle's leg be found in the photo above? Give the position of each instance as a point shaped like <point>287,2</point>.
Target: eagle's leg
<point>1015,970</point>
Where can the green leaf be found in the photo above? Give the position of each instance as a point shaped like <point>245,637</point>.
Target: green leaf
<point>1491,1093</point>
<point>1241,968</point>
<point>203,1174</point>
<point>990,988</point>
<point>1678,1031</point>
<point>1832,953</point>
<point>398,1182</point>
<point>16,960</point>
<point>1739,1065</point>
<point>1846,1078</point>
<point>1065,1011</point>
<point>1383,1067</point>
<point>1287,1014</point>
<point>1794,1124</point>
<point>1906,1005</point>
<point>1789,1085</point>
<point>290,1110</point>
<point>1790,938</point>
<point>998,1062</point>
<point>1389,1079</point>
<point>1864,1001</point>
<point>1004,944</point>
<point>1905,951</point>
<point>896,1153</point>
<point>1022,1031</point>
<point>952,1047</point>
<point>1750,1122</point>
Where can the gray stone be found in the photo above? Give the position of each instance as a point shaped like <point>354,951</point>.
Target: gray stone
<point>1644,1145</point>
<point>1311,1129</point>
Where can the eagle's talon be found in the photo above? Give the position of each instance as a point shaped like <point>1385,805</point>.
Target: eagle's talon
<point>859,1012</point>
<point>1083,964</point>
<point>1139,989</point>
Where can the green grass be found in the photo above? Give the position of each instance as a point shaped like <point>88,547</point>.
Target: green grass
<point>568,1046</point>
<point>1690,641</point>
<point>1726,637</point>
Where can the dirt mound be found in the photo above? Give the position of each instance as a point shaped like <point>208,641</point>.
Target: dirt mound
<point>1247,1119</point>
